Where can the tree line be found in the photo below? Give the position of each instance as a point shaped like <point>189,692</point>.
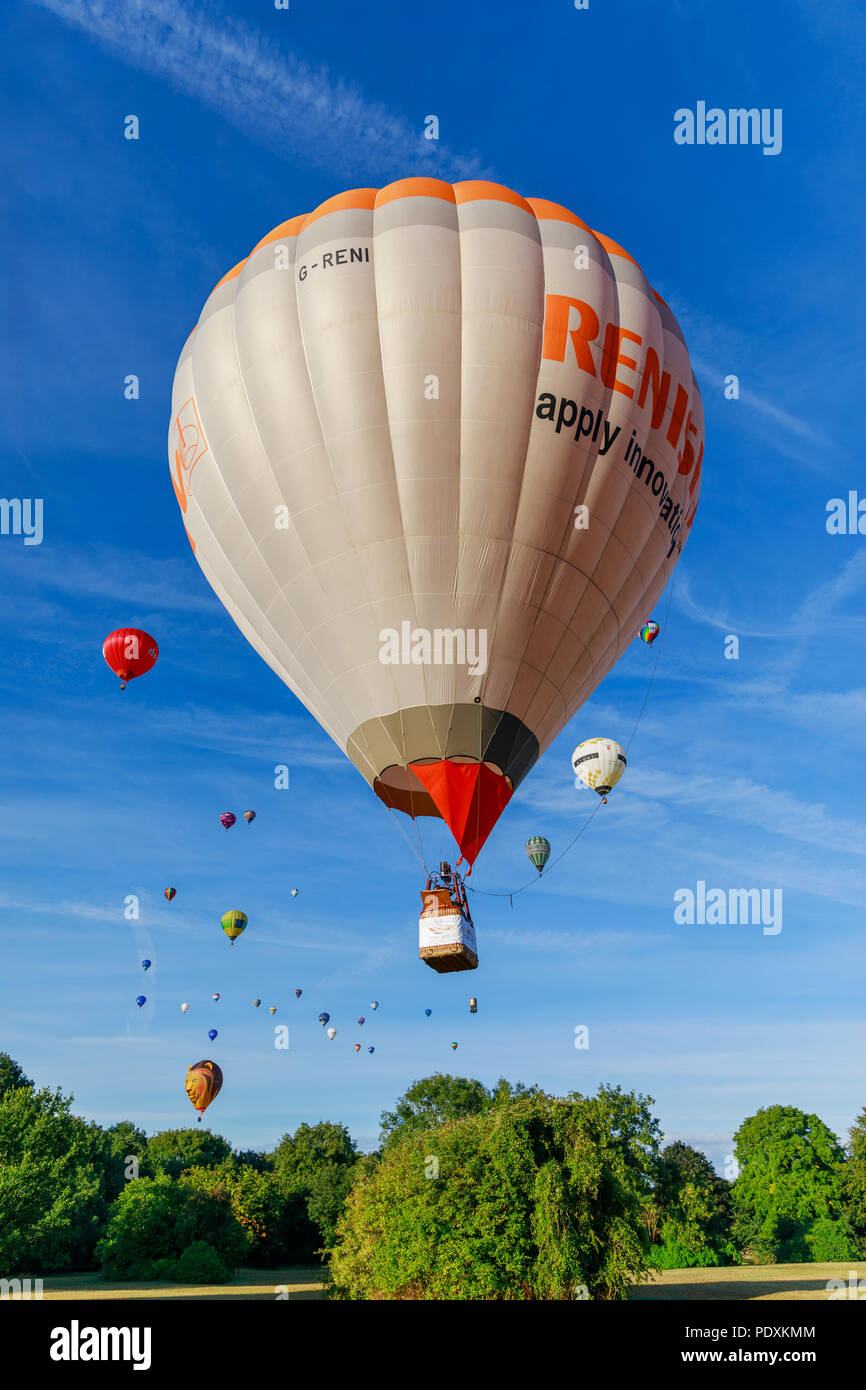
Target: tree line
<point>474,1193</point>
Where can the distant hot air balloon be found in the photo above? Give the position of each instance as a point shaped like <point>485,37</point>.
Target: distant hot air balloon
<point>130,653</point>
<point>371,1049</point>
<point>203,1083</point>
<point>538,850</point>
<point>298,993</point>
<point>212,1033</point>
<point>145,965</point>
<point>473,1006</point>
<point>453,1047</point>
<point>184,1008</point>
<point>170,893</point>
<point>215,997</point>
<point>374,1003</point>
<point>141,1000</point>
<point>361,1021</point>
<point>332,1033</point>
<point>256,1003</point>
<point>300,389</point>
<point>599,764</point>
<point>249,817</point>
<point>233,923</point>
<point>323,1019</point>
<point>649,632</point>
<point>357,1047</point>
<point>272,1009</point>
<point>428,1012</point>
<point>294,892</point>
<point>227,820</point>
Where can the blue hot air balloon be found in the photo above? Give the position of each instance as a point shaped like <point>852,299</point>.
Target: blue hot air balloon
<point>371,1049</point>
<point>142,999</point>
<point>212,1034</point>
<point>323,1019</point>
<point>146,964</point>
<point>428,1012</point>
<point>374,1003</point>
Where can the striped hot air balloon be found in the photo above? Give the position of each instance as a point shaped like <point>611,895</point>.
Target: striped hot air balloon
<point>538,850</point>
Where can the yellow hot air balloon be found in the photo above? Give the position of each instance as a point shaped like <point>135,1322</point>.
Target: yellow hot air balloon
<point>233,923</point>
<point>437,450</point>
<point>203,1084</point>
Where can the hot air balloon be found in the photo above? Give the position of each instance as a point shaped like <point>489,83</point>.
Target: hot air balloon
<point>233,923</point>
<point>215,997</point>
<point>130,653</point>
<point>184,1008</point>
<point>203,1084</point>
<point>323,1019</point>
<point>272,1009</point>
<point>538,850</point>
<point>212,1033</point>
<point>357,1047</point>
<point>332,1033</point>
<point>428,1012</point>
<point>298,993</point>
<point>145,965</point>
<point>473,1006</point>
<point>170,893</point>
<point>256,1003</point>
<point>227,820</point>
<point>599,763</point>
<point>294,892</point>
<point>649,632</point>
<point>249,817</point>
<point>439,603</point>
<point>374,1003</point>
<point>141,1000</point>
<point>361,1021</point>
<point>371,1049</point>
<point>453,1047</point>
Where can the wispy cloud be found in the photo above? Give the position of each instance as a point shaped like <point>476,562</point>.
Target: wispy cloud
<point>285,104</point>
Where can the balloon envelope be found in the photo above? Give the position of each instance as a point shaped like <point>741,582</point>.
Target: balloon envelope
<point>170,893</point>
<point>227,820</point>
<point>272,1009</point>
<point>374,1003</point>
<point>212,1033</point>
<point>203,1083</point>
<point>215,997</point>
<point>294,892</point>
<point>438,589</point>
<point>298,993</point>
<point>371,1049</point>
<point>649,632</point>
<point>233,923</point>
<point>323,1019</point>
<point>428,1012</point>
<point>142,999</point>
<point>184,1008</point>
<point>538,850</point>
<point>256,1003</point>
<point>453,1047</point>
<point>361,1021</point>
<point>332,1033</point>
<point>249,817</point>
<point>130,652</point>
<point>599,763</point>
<point>357,1047</point>
<point>145,965</point>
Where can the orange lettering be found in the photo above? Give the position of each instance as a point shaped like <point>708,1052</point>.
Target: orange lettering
<point>613,358</point>
<point>557,311</point>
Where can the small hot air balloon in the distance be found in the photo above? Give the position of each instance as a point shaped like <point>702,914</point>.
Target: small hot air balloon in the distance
<point>184,1008</point>
<point>212,1033</point>
<point>203,1083</point>
<point>130,653</point>
<point>215,997</point>
<point>361,1020</point>
<point>227,820</point>
<point>273,1009</point>
<point>298,993</point>
<point>233,923</point>
<point>146,964</point>
<point>357,1047</point>
<point>256,1003</point>
<point>371,1049</point>
<point>374,1003</point>
<point>649,632</point>
<point>249,817</point>
<point>599,763</point>
<point>324,1018</point>
<point>141,1000</point>
<point>332,1033</point>
<point>473,1006</point>
<point>453,1047</point>
<point>294,892</point>
<point>538,850</point>
<point>428,1012</point>
<point>170,893</point>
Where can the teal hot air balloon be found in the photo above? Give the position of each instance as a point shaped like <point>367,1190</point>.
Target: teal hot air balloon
<point>538,850</point>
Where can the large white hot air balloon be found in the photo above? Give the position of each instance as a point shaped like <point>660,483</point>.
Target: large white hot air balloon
<point>599,763</point>
<point>437,450</point>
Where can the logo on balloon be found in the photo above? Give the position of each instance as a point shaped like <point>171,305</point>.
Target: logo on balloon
<point>189,445</point>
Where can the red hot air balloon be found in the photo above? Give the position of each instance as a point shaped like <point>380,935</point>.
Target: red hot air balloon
<point>130,653</point>
<point>227,820</point>
<point>170,893</point>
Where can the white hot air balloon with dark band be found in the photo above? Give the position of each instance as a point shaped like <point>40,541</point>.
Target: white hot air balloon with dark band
<point>599,763</point>
<point>437,449</point>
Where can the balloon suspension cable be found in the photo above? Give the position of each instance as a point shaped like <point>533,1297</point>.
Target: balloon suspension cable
<point>511,895</point>
<point>414,847</point>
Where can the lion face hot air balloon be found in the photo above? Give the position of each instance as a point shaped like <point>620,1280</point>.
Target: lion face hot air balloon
<point>233,923</point>
<point>538,850</point>
<point>649,632</point>
<point>599,763</point>
<point>203,1084</point>
<point>437,466</point>
<point>130,653</point>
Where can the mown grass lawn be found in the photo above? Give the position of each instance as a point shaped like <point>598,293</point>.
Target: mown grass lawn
<point>759,1282</point>
<point>260,1284</point>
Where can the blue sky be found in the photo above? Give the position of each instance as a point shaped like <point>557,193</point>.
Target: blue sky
<point>743,773</point>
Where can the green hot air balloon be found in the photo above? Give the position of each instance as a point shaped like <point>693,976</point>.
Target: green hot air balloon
<point>233,923</point>
<point>538,850</point>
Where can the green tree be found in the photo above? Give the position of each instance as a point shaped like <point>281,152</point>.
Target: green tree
<point>854,1179</point>
<point>692,1203</point>
<point>791,1169</point>
<point>125,1141</point>
<point>318,1163</point>
<point>154,1220</point>
<point>11,1075</point>
<point>533,1198</point>
<point>172,1150</point>
<point>434,1101</point>
<point>53,1182</point>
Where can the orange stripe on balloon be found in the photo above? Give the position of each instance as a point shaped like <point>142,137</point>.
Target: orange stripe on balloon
<point>415,188</point>
<point>356,198</point>
<point>473,190</point>
<point>555,212</point>
<point>285,229</point>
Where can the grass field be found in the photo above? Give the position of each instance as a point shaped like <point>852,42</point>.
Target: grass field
<point>759,1282</point>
